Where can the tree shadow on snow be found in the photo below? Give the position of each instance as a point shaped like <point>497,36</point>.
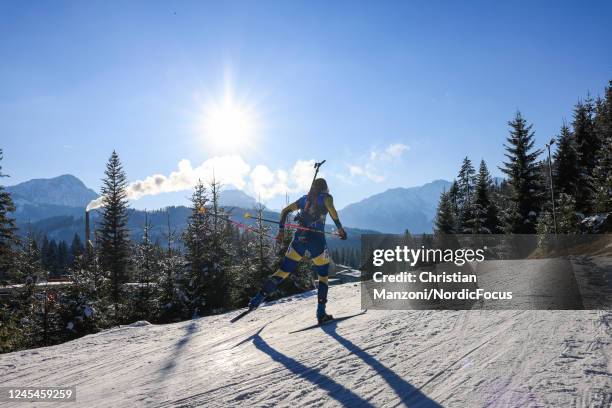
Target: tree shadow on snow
<point>190,329</point>
<point>409,395</point>
<point>336,391</point>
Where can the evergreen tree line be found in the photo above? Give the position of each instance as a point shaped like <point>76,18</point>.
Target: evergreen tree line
<point>580,170</point>
<point>213,266</point>
<point>348,256</point>
<point>57,257</point>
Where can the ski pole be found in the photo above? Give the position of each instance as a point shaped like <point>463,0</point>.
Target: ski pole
<point>241,225</point>
<point>294,226</point>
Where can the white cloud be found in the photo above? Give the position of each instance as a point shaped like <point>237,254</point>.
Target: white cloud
<point>396,149</point>
<point>390,152</point>
<point>228,170</point>
<point>268,184</point>
<point>231,171</point>
<point>358,171</point>
<point>370,169</point>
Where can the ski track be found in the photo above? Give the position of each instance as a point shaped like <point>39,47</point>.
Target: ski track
<point>382,358</point>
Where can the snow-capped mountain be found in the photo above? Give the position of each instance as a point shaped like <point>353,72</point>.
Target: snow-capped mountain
<point>236,198</point>
<point>397,209</point>
<point>66,190</point>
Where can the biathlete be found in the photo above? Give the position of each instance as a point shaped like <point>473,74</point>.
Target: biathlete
<point>313,209</point>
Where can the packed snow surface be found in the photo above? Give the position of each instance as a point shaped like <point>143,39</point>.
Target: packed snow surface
<point>381,358</point>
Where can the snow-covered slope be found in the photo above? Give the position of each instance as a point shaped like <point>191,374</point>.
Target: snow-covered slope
<point>381,358</point>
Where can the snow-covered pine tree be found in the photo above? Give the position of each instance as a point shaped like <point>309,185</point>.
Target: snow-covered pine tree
<point>197,251</point>
<point>587,146</point>
<point>146,263</point>
<point>29,263</point>
<point>256,252</point>
<point>85,308</point>
<point>602,200</point>
<point>8,229</point>
<point>522,171</point>
<point>30,272</point>
<point>221,254</point>
<point>11,335</point>
<point>113,233</point>
<point>171,296</point>
<point>264,258</point>
<point>567,219</point>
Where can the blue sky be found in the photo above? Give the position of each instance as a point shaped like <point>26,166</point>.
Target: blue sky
<point>391,94</point>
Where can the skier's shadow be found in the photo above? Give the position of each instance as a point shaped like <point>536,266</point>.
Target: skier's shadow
<point>340,393</point>
<point>410,395</point>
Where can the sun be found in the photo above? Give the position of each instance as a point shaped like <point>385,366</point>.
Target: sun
<point>228,124</point>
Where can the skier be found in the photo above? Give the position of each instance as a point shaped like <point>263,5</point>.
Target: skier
<point>313,208</point>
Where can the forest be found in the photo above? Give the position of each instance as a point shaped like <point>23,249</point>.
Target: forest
<point>215,265</point>
<point>568,192</point>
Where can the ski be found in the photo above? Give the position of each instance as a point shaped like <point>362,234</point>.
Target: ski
<point>241,315</point>
<point>334,320</point>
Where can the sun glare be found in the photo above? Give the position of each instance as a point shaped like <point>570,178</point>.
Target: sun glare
<point>229,124</point>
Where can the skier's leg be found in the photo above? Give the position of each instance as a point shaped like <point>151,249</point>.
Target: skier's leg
<point>321,265</point>
<point>294,254</point>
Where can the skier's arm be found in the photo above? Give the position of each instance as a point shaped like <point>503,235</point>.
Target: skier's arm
<point>285,213</point>
<point>329,204</point>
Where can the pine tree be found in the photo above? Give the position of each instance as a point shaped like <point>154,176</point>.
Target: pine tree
<point>113,233</point>
<point>263,246</point>
<point>197,254</point>
<point>486,219</point>
<point>30,273</point>
<point>465,182</point>
<point>76,248</point>
<point>8,237</point>
<point>63,257</point>
<point>602,200</point>
<point>565,169</point>
<point>453,195</point>
<point>522,171</point>
<point>171,298</point>
<point>587,145</point>
<point>465,197</point>
<point>257,260</point>
<point>49,257</point>
<point>146,263</point>
<point>567,220</point>
<point>218,273</point>
<point>445,217</point>
<point>85,308</point>
<point>29,260</point>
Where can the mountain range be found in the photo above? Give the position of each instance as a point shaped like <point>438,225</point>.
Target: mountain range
<point>55,207</point>
<point>398,209</point>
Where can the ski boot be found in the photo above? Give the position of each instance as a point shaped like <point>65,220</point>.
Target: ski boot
<point>256,300</point>
<point>323,317</point>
